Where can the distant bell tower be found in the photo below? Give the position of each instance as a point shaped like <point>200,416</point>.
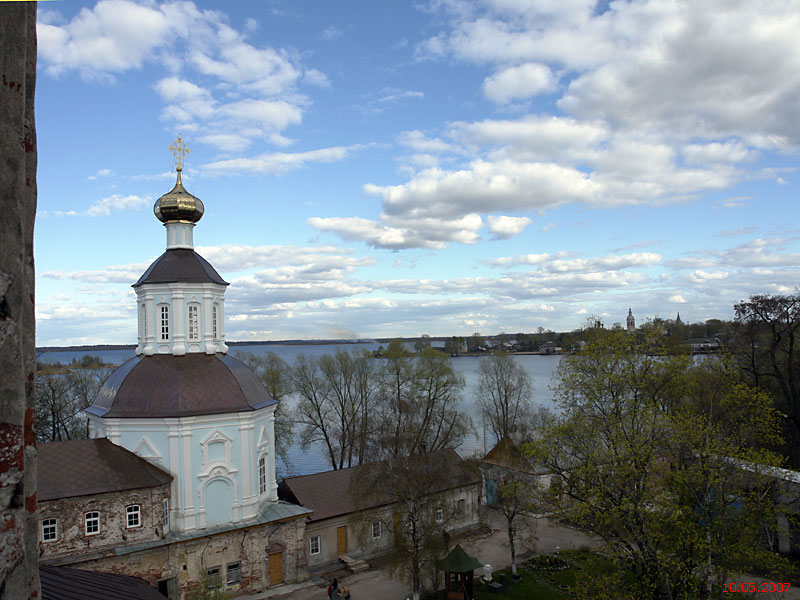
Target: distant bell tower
<point>631,321</point>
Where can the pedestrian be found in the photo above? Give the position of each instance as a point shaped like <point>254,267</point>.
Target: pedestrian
<point>330,590</point>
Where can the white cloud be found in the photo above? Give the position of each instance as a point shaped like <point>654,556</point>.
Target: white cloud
<point>506,227</point>
<point>677,298</point>
<point>331,33</point>
<point>281,162</point>
<point>116,202</point>
<point>100,173</point>
<point>519,82</point>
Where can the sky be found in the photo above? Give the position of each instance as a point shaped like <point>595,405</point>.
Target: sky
<point>379,169</point>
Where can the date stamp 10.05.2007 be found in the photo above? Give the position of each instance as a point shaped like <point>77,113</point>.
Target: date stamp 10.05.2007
<point>755,587</point>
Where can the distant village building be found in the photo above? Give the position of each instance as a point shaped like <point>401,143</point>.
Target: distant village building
<point>178,482</point>
<point>630,321</point>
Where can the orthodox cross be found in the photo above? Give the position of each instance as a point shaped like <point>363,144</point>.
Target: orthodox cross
<point>179,151</point>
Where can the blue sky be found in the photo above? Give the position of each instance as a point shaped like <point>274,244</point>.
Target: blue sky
<point>376,169</point>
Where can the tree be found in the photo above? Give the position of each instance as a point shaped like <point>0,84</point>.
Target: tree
<point>338,394</point>
<point>61,397</point>
<point>276,376</point>
<point>656,458</point>
<point>515,501</point>
<point>417,488</point>
<point>419,400</point>
<point>504,394</point>
<point>452,346</point>
<point>767,347</point>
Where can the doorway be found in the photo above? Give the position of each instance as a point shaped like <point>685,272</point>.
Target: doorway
<point>275,569</point>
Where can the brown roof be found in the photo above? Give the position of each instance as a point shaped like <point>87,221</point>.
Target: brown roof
<point>331,493</point>
<point>507,455</point>
<point>164,385</point>
<point>62,583</point>
<point>180,264</point>
<point>84,467</point>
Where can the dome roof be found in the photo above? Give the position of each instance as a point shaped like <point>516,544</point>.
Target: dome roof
<point>164,385</point>
<point>178,205</point>
<point>180,265</point>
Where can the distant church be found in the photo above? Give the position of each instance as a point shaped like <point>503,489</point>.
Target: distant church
<point>630,321</point>
<point>177,484</point>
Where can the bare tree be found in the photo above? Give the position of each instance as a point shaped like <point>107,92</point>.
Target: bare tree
<point>419,405</point>
<point>504,394</point>
<point>337,394</point>
<point>276,376</point>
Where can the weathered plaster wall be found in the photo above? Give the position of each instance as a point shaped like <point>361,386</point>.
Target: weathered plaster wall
<point>186,561</point>
<point>19,576</point>
<point>70,512</point>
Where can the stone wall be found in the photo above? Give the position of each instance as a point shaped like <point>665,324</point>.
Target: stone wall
<point>187,560</point>
<point>19,575</point>
<point>70,512</point>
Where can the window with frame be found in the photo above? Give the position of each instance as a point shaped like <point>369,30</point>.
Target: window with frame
<point>376,529</point>
<point>194,325</point>
<point>91,522</point>
<point>461,508</point>
<point>165,513</point>
<point>314,544</point>
<point>262,474</point>
<point>233,574</point>
<point>214,321</point>
<point>133,515</point>
<point>214,578</point>
<point>164,322</point>
<point>49,530</point>
<point>439,514</point>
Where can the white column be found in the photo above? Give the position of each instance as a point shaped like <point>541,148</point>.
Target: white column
<point>273,485</point>
<point>221,326</point>
<point>149,334</point>
<point>178,324</point>
<point>187,474</point>
<point>208,333</point>
<point>176,504</point>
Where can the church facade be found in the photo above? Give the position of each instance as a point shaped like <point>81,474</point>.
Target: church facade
<point>202,419</point>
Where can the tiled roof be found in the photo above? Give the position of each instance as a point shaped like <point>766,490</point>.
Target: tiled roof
<point>334,493</point>
<point>83,467</point>
<point>180,265</point>
<point>62,583</point>
<point>164,385</point>
<point>507,455</point>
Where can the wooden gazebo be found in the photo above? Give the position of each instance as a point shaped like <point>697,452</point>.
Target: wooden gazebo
<point>458,567</point>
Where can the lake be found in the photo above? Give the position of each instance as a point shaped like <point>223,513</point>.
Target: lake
<point>539,367</point>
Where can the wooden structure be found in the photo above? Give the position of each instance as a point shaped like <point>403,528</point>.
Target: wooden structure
<point>458,567</point>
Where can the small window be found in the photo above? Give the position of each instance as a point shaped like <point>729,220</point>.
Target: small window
<point>233,574</point>
<point>262,474</point>
<point>194,327</point>
<point>92,523</point>
<point>461,508</point>
<point>214,578</point>
<point>214,321</point>
<point>439,514</point>
<point>134,516</point>
<point>49,530</point>
<point>164,323</point>
<point>165,513</point>
<point>314,544</point>
<point>376,529</point>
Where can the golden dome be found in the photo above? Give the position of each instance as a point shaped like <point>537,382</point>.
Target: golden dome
<point>179,205</point>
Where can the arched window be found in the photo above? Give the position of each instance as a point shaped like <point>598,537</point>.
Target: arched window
<point>194,325</point>
<point>262,474</point>
<point>164,322</point>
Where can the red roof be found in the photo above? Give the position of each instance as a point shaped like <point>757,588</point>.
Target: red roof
<point>84,467</point>
<point>334,493</point>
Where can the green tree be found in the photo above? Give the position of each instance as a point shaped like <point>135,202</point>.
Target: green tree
<point>504,394</point>
<point>655,455</point>
<point>515,502</point>
<point>766,343</point>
